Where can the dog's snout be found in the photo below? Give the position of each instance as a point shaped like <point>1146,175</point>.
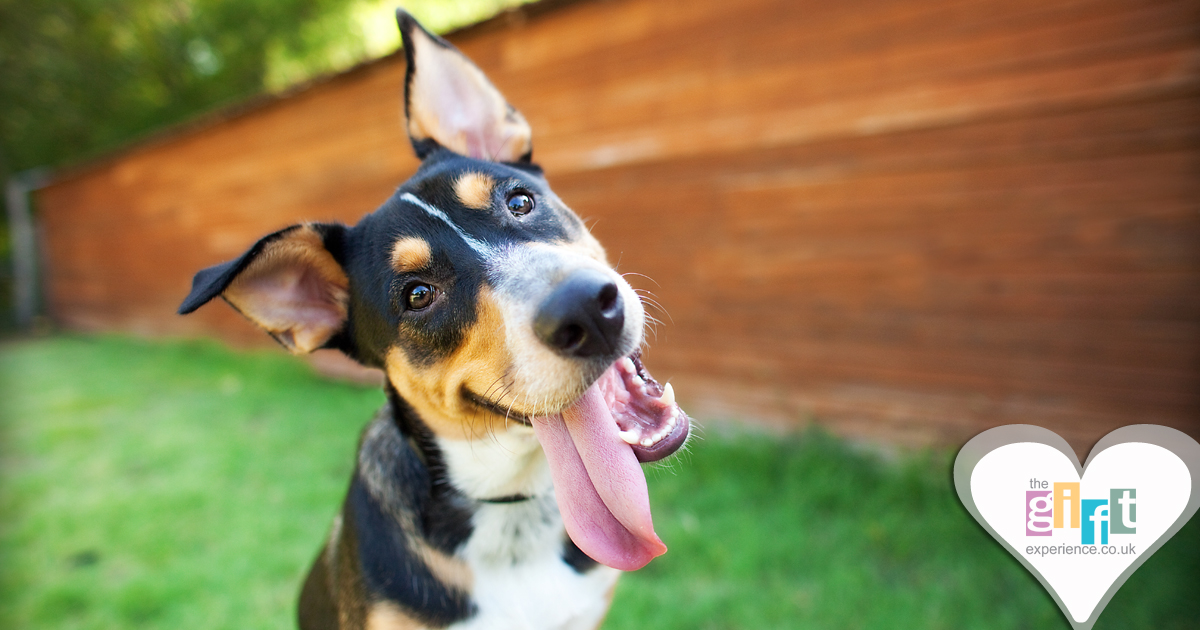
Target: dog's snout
<point>583,316</point>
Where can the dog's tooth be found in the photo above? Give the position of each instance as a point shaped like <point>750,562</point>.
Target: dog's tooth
<point>648,442</point>
<point>630,437</point>
<point>627,364</point>
<point>668,395</point>
<point>637,380</point>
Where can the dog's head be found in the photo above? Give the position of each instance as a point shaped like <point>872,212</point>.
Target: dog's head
<point>484,299</point>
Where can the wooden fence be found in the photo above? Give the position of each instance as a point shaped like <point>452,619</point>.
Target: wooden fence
<point>908,220</point>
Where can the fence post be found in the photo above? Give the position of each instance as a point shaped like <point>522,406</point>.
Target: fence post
<point>24,245</point>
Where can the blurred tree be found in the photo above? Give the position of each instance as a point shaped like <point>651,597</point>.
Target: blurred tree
<point>81,77</point>
<point>78,77</point>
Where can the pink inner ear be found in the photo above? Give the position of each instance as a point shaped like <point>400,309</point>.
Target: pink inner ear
<point>293,302</point>
<point>452,102</point>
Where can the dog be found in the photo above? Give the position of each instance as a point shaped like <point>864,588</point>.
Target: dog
<point>500,486</point>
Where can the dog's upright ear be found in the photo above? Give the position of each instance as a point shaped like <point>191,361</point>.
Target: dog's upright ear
<point>289,283</point>
<point>448,102</point>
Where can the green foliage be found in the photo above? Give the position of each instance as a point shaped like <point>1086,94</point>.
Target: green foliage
<point>180,485</point>
<point>165,486</point>
<point>371,32</point>
<point>81,76</point>
<point>78,77</point>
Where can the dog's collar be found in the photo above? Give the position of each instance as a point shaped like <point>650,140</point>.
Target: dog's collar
<point>512,498</point>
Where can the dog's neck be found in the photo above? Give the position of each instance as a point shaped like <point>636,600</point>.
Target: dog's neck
<point>502,479</point>
<point>502,467</point>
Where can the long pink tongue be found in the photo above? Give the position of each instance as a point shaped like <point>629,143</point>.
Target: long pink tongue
<point>599,485</point>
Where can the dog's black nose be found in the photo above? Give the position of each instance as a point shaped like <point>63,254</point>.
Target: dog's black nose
<point>583,317</point>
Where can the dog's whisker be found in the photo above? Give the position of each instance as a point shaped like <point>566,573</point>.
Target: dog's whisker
<point>653,303</point>
<point>657,306</point>
<point>634,273</point>
<point>648,297</point>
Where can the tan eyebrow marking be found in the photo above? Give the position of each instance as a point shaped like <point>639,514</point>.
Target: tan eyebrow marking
<point>410,253</point>
<point>474,190</point>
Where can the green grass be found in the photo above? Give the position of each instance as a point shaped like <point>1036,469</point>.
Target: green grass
<point>180,485</point>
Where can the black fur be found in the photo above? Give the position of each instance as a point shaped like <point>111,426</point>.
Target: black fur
<point>581,562</point>
<point>445,514</point>
<point>390,569</point>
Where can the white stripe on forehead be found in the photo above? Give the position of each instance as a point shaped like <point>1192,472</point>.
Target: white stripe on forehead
<point>481,248</point>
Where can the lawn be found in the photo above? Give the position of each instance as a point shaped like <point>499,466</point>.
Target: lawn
<point>181,485</point>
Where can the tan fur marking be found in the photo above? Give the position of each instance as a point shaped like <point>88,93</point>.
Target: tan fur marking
<point>282,265</point>
<point>481,363</point>
<point>348,590</point>
<point>410,254</point>
<point>388,616</point>
<point>331,546</point>
<point>474,190</point>
<point>448,570</point>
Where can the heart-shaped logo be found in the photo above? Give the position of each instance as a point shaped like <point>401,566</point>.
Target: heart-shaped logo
<point>1081,530</point>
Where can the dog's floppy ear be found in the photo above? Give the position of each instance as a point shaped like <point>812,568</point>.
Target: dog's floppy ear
<point>289,283</point>
<point>448,102</point>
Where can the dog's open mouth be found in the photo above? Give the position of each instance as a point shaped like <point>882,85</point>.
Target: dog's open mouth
<point>594,448</point>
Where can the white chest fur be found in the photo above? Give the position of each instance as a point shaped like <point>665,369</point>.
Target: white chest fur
<point>515,550</point>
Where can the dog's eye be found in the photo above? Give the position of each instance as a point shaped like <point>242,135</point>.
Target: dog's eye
<point>419,296</point>
<point>520,203</point>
